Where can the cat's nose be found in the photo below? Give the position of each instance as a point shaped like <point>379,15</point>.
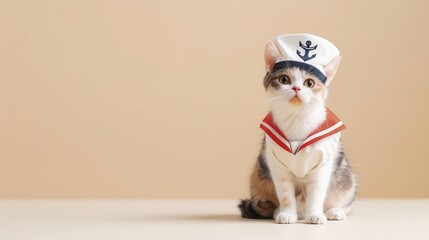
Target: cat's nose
<point>296,89</point>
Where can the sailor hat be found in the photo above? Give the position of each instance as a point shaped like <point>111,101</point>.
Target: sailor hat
<point>307,52</point>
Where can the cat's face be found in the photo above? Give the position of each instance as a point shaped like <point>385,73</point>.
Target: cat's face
<point>294,87</point>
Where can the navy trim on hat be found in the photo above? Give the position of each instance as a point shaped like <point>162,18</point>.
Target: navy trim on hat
<point>302,66</point>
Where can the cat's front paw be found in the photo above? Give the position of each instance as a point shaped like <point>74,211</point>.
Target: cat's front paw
<point>286,218</point>
<point>335,214</point>
<point>316,218</point>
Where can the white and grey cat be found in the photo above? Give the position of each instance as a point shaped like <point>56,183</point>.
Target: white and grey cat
<point>296,100</point>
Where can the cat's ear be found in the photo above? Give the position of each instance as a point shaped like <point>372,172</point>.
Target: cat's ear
<point>331,69</point>
<point>272,55</point>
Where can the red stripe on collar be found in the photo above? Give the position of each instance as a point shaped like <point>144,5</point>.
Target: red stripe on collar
<point>330,126</point>
<point>272,134</point>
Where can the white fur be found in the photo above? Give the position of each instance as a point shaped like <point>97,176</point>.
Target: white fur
<point>297,122</point>
<point>315,183</point>
<point>335,214</point>
<point>285,217</point>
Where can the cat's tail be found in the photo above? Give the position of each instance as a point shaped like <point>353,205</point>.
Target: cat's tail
<point>253,208</point>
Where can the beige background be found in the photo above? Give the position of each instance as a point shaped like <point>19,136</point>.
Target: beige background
<point>154,99</point>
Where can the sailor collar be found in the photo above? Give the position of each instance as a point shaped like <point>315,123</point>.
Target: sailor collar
<point>330,126</point>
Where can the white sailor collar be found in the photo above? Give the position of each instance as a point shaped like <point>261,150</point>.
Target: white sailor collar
<point>330,126</point>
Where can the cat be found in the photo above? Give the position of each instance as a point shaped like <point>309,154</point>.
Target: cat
<point>322,188</point>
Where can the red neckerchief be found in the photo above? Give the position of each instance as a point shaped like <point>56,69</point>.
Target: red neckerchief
<point>330,126</point>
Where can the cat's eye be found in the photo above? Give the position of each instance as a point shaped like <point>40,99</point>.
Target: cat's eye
<point>283,79</point>
<point>309,83</point>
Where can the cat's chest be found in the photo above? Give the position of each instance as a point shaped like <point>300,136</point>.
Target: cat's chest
<point>309,155</point>
<point>306,161</point>
<point>294,145</point>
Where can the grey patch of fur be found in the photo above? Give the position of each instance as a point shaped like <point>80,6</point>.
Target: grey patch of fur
<point>271,79</point>
<point>342,176</point>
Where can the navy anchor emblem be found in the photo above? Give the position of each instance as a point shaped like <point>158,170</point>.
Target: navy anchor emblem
<point>307,50</point>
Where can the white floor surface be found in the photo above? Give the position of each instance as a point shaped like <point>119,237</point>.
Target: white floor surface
<point>200,219</point>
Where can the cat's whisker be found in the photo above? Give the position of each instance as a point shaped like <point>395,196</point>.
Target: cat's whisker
<point>280,96</point>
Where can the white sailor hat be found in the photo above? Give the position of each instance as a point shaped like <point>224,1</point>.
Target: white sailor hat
<point>306,51</point>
